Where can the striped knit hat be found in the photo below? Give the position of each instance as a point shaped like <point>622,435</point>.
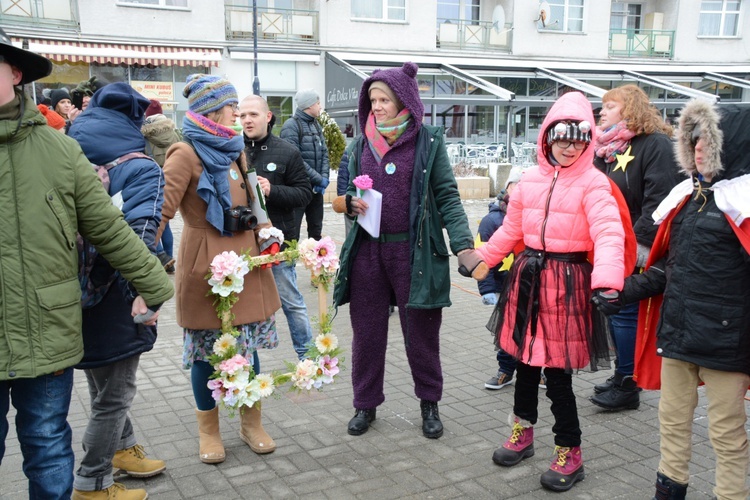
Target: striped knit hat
<point>206,93</point>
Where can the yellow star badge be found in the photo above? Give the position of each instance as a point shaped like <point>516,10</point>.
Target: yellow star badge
<point>623,160</point>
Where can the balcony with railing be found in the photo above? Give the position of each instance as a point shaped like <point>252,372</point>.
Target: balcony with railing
<point>287,25</point>
<point>60,14</point>
<point>657,44</point>
<point>480,35</point>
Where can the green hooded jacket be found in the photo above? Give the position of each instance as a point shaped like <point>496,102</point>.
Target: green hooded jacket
<point>434,203</point>
<point>48,191</point>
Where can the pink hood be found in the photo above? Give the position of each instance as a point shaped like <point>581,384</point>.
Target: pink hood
<point>582,215</point>
<point>571,106</point>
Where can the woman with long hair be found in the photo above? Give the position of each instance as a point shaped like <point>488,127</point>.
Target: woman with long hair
<point>634,148</point>
<point>206,177</point>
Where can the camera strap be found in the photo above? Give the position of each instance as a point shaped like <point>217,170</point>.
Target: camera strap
<point>243,171</point>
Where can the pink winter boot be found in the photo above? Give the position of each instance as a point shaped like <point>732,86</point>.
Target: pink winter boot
<point>519,445</point>
<point>566,469</point>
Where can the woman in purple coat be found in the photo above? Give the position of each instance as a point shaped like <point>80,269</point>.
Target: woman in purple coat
<point>408,264</point>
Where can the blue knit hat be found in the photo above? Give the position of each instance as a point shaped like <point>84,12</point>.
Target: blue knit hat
<point>206,93</point>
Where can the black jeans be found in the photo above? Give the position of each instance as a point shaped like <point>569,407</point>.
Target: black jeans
<point>567,429</point>
<point>314,215</point>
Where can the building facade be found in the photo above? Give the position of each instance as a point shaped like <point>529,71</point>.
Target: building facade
<point>489,69</point>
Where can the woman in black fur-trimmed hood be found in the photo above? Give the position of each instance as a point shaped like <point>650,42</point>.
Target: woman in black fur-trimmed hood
<point>700,262</point>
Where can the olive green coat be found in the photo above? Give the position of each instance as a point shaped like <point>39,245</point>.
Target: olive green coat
<point>48,191</point>
<point>434,203</point>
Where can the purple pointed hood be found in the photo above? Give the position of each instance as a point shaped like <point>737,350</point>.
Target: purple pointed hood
<point>402,81</point>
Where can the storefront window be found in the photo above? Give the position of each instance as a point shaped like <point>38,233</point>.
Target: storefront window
<point>542,87</point>
<point>481,124</point>
<point>516,85</point>
<point>425,84</point>
<point>451,118</point>
<point>281,107</point>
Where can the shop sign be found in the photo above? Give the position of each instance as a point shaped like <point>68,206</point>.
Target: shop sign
<point>161,91</point>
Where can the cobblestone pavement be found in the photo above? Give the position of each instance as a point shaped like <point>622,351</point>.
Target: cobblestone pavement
<point>316,458</point>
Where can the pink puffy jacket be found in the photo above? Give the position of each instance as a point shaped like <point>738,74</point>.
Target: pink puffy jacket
<point>582,215</point>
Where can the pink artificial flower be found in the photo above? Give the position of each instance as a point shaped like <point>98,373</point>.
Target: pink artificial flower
<point>233,365</point>
<point>362,182</point>
<point>329,365</point>
<point>223,265</point>
<point>326,251</point>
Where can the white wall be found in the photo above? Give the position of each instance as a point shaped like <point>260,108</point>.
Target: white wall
<point>691,48</point>
<point>418,33</point>
<point>593,43</point>
<point>202,22</point>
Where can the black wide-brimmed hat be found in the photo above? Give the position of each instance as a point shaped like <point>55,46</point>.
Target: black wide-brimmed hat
<point>33,66</point>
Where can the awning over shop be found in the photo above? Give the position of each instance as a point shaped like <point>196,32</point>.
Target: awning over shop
<point>106,53</point>
<point>475,70</point>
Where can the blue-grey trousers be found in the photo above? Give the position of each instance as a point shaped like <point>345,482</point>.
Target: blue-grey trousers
<point>112,389</point>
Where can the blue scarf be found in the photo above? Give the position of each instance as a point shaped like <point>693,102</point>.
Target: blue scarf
<point>217,147</point>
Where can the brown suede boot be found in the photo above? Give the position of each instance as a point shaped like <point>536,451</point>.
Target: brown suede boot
<point>252,432</point>
<point>211,447</point>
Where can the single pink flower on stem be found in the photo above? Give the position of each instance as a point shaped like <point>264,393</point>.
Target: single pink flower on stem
<point>362,182</point>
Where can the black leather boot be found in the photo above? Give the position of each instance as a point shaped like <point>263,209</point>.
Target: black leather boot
<point>666,489</point>
<point>624,395</point>
<point>605,386</point>
<point>360,422</point>
<point>432,427</point>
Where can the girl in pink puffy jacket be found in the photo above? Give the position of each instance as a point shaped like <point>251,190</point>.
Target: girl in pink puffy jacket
<point>562,211</point>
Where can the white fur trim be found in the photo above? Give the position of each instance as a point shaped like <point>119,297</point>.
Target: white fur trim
<point>513,418</point>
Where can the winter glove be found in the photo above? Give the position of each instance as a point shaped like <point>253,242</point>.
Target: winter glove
<point>271,249</point>
<point>642,257</point>
<point>324,183</point>
<point>607,301</point>
<point>339,204</point>
<point>319,189</point>
<point>471,265</point>
<point>489,299</point>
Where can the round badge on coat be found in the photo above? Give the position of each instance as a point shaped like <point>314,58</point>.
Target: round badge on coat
<point>271,167</point>
<point>390,168</point>
<point>233,174</point>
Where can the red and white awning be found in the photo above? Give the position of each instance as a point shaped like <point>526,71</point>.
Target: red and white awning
<point>108,53</point>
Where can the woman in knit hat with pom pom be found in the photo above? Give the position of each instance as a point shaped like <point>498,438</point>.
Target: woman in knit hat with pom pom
<point>205,176</point>
<point>408,264</point>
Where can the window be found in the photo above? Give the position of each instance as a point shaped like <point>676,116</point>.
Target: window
<point>282,109</point>
<point>719,18</point>
<point>455,10</point>
<point>625,16</point>
<point>387,10</point>
<point>158,3</point>
<point>565,15</point>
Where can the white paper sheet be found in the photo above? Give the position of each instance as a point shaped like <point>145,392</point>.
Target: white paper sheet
<point>370,222</point>
<point>259,202</point>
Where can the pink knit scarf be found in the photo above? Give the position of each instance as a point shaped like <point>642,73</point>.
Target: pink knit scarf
<point>613,141</point>
<point>381,136</point>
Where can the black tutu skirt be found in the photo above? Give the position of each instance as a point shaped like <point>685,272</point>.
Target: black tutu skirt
<point>546,299</point>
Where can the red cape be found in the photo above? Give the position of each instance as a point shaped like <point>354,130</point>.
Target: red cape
<point>647,372</point>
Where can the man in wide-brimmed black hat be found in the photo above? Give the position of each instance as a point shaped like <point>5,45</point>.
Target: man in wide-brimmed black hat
<point>48,193</point>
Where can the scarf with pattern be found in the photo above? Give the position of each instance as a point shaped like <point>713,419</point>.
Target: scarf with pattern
<point>613,141</point>
<point>217,147</point>
<point>381,136</point>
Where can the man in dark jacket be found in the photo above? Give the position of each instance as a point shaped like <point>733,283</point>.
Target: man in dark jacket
<point>285,185</point>
<point>109,130</point>
<point>49,192</point>
<point>305,133</point>
<point>700,262</point>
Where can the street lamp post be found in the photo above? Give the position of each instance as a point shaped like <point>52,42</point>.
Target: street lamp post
<point>256,80</point>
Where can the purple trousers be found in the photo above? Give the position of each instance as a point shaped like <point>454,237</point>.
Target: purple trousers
<point>382,271</point>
